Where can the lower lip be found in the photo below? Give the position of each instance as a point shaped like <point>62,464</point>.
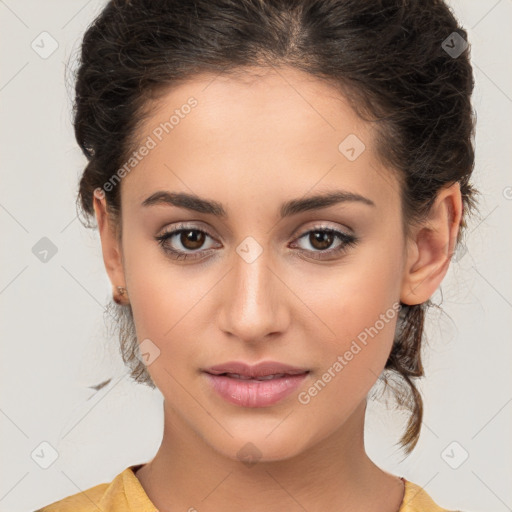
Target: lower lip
<point>255,393</point>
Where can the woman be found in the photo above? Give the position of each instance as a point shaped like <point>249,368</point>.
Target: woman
<point>279,187</point>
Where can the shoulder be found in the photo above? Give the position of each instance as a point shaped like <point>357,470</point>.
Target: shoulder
<point>416,499</point>
<point>124,492</point>
<point>84,501</point>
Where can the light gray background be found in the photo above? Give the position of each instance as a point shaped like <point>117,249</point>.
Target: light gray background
<point>55,345</point>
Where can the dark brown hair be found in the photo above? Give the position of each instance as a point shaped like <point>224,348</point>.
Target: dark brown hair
<point>388,57</point>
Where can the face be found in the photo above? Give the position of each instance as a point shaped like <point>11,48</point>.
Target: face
<point>315,286</point>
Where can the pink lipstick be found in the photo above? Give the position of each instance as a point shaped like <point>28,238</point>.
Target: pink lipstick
<point>259,385</point>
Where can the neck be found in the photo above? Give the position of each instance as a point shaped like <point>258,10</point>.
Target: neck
<point>334,474</point>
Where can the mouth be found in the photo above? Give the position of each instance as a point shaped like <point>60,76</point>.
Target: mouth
<point>272,376</point>
<point>266,369</point>
<point>260,385</point>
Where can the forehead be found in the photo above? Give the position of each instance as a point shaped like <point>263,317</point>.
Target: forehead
<point>268,131</point>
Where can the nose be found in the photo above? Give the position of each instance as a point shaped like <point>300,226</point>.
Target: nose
<point>253,299</point>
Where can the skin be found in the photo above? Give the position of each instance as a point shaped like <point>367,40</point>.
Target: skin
<point>252,144</point>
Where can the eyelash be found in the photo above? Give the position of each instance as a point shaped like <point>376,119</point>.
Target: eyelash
<point>346,239</point>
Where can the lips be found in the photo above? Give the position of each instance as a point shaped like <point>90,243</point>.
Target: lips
<point>266,370</point>
<point>261,385</point>
<point>245,377</point>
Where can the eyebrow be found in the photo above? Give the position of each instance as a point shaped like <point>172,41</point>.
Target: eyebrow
<point>292,207</point>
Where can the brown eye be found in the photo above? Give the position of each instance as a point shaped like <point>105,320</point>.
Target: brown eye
<point>192,239</point>
<point>184,243</point>
<point>321,240</point>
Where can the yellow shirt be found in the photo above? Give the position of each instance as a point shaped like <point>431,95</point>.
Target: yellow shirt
<point>126,494</point>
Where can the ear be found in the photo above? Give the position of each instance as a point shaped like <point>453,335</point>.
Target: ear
<point>112,253</point>
<point>431,247</point>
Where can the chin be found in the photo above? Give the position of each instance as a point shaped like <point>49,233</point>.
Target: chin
<point>255,445</point>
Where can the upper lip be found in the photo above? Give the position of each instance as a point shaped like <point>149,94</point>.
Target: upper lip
<point>258,370</point>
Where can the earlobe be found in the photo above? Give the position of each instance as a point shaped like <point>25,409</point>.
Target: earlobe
<point>112,255</point>
<point>430,250</point>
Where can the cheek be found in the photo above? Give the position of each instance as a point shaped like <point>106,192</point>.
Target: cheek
<point>159,289</point>
<point>167,303</point>
<point>363,318</point>
<point>360,306</point>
